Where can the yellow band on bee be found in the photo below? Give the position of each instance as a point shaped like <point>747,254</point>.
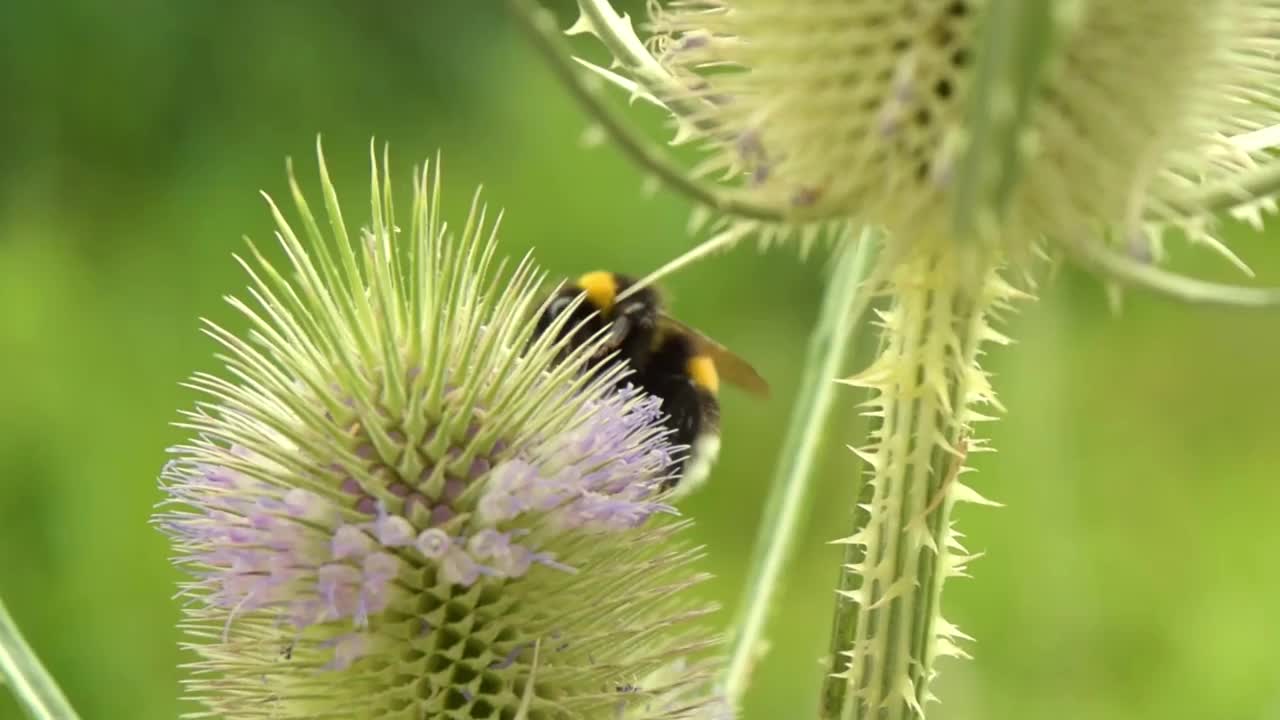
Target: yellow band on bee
<point>702,371</point>
<point>601,288</point>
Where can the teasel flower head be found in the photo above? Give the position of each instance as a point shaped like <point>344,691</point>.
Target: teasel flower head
<point>1079,123</point>
<point>398,503</point>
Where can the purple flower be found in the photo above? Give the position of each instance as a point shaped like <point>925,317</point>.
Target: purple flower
<point>317,557</point>
<point>395,489</point>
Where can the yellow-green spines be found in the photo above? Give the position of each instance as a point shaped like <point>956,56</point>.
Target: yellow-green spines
<point>397,503</point>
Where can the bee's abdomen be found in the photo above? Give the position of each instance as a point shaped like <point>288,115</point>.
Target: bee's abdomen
<point>685,382</point>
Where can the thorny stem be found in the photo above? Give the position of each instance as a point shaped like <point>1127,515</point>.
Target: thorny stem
<point>843,305</point>
<point>844,617</point>
<point>844,624</point>
<point>32,685</point>
<point>927,386</point>
<point>844,620</point>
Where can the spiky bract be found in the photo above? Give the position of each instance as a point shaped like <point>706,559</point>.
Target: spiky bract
<point>398,504</point>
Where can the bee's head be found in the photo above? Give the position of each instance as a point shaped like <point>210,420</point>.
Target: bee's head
<point>630,322</point>
<point>601,288</point>
<point>586,318</point>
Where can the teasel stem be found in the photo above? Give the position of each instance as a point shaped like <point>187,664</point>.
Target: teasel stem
<point>927,384</point>
<point>843,304</point>
<point>844,616</point>
<point>35,689</point>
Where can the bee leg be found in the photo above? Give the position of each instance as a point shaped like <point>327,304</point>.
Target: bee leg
<point>618,331</point>
<point>635,322</point>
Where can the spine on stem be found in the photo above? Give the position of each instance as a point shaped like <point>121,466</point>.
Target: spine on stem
<point>928,391</point>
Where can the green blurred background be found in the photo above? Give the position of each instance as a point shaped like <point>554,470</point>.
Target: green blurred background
<point>1132,574</point>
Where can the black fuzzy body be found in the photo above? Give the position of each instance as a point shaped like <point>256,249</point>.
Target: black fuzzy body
<point>658,357</point>
<point>691,410</point>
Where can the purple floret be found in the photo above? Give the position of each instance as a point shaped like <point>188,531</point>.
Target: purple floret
<point>313,558</point>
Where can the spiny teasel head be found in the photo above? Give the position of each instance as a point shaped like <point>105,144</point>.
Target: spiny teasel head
<point>1074,120</point>
<point>399,503</point>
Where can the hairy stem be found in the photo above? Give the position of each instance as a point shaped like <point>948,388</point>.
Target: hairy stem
<point>793,477</point>
<point>32,685</point>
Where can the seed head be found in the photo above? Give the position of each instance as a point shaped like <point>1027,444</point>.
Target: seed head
<point>866,109</point>
<point>397,503</point>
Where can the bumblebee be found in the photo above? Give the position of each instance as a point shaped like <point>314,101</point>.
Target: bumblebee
<point>668,359</point>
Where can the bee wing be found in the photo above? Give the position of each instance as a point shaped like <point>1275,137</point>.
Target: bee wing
<point>732,368</point>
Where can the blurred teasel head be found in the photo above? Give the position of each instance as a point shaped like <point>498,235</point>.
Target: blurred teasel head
<point>400,503</point>
<point>1094,126</point>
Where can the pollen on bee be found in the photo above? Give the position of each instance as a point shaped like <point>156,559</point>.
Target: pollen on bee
<point>702,371</point>
<point>601,288</point>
